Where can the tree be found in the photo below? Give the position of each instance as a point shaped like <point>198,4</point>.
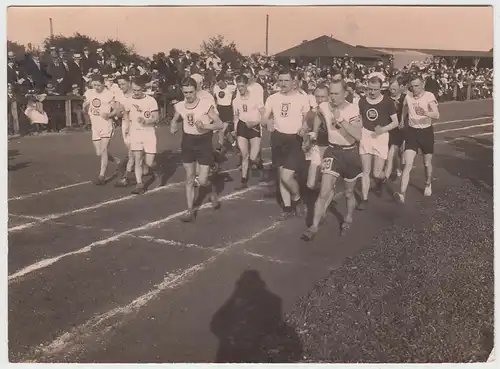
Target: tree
<point>76,42</point>
<point>18,49</point>
<point>217,45</point>
<point>174,53</point>
<point>123,52</point>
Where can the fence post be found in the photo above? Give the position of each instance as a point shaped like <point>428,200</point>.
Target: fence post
<point>67,108</point>
<point>15,117</point>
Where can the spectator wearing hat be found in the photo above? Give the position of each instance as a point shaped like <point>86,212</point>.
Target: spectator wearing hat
<point>34,67</point>
<point>57,73</point>
<point>89,60</point>
<point>76,70</point>
<point>15,75</point>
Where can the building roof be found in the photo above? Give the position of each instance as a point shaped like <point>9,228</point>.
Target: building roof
<point>325,46</point>
<point>443,53</point>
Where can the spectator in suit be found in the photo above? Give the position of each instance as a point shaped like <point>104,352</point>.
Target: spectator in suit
<point>15,75</point>
<point>58,74</point>
<point>89,60</point>
<point>36,69</point>
<point>76,71</point>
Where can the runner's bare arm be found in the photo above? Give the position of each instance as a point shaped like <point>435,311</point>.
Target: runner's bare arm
<point>404,114</point>
<point>236,118</point>
<point>126,122</point>
<point>353,127</point>
<point>433,110</point>
<point>316,125</point>
<point>266,119</point>
<point>174,125</point>
<point>394,124</point>
<point>216,122</point>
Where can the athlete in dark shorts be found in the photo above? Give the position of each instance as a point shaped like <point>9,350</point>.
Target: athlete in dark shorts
<point>199,122</point>
<point>288,108</point>
<point>248,110</point>
<point>341,158</point>
<point>397,135</point>
<point>422,108</point>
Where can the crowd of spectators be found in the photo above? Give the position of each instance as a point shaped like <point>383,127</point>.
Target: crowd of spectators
<point>64,72</point>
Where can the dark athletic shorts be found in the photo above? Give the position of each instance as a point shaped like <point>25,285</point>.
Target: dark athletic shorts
<point>286,151</point>
<point>342,161</point>
<point>242,130</point>
<point>197,148</point>
<point>420,138</point>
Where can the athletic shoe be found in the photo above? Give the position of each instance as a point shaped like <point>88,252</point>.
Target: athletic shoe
<point>299,207</point>
<point>309,234</point>
<point>188,216</point>
<point>362,205</point>
<point>428,190</point>
<point>123,182</point>
<point>399,197</point>
<point>139,189</point>
<point>100,181</point>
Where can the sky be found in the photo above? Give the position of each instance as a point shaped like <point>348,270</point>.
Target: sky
<point>153,29</point>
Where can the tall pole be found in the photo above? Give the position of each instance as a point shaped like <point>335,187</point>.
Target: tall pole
<point>51,29</point>
<point>267,35</point>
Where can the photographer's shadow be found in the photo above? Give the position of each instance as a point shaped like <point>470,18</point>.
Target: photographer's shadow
<point>250,327</point>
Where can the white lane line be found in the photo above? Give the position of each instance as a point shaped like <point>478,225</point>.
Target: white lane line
<point>172,242</point>
<point>55,216</point>
<point>461,120</point>
<point>465,128</point>
<point>25,216</point>
<point>75,340</point>
<point>268,258</point>
<point>44,192</point>
<point>49,261</point>
<point>465,138</point>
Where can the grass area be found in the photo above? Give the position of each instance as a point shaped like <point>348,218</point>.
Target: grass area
<point>421,294</point>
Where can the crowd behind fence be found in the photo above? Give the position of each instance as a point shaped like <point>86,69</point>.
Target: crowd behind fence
<point>62,77</point>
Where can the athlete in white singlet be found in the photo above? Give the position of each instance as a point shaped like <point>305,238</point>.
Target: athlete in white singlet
<point>141,115</point>
<point>341,158</point>
<point>422,108</point>
<point>121,98</point>
<point>248,111</point>
<point>100,105</point>
<point>289,109</point>
<point>199,120</point>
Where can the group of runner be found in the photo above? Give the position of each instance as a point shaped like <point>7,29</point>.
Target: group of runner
<point>368,138</point>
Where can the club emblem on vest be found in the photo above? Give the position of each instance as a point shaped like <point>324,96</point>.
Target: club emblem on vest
<point>284,109</point>
<point>372,114</point>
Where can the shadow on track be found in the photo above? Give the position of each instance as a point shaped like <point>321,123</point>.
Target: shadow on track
<point>250,326</point>
<point>13,167</point>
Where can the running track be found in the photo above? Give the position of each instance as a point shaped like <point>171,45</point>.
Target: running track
<point>99,275</point>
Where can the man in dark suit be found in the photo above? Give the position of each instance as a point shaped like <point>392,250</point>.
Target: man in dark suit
<point>36,69</point>
<point>89,60</point>
<point>76,71</point>
<point>58,74</point>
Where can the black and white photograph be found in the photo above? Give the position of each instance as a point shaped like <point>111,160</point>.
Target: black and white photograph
<point>250,184</point>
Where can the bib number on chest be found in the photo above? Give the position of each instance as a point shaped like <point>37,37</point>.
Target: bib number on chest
<point>94,107</point>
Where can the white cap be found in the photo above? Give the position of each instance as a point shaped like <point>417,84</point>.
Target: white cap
<point>198,78</point>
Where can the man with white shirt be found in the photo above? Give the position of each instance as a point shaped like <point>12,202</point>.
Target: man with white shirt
<point>100,104</point>
<point>141,115</point>
<point>121,99</point>
<point>289,109</point>
<point>248,110</point>
<point>224,94</point>
<point>341,158</point>
<point>422,108</point>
